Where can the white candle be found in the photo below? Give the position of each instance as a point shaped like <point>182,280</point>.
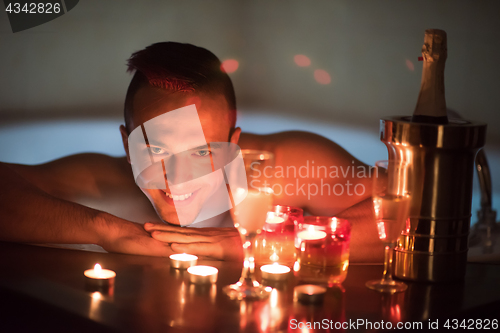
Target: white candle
<point>183,260</point>
<point>98,277</point>
<point>273,219</point>
<point>202,274</point>
<point>311,234</point>
<point>99,273</point>
<point>275,272</point>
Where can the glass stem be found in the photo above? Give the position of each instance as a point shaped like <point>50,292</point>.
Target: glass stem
<point>247,274</point>
<point>388,263</point>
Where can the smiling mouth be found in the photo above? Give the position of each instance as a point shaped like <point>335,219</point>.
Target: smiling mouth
<point>181,197</point>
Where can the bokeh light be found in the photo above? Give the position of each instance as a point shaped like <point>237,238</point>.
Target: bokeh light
<point>410,65</point>
<point>302,60</point>
<point>229,65</point>
<point>321,76</point>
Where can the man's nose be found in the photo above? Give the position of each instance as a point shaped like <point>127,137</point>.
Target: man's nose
<point>178,169</point>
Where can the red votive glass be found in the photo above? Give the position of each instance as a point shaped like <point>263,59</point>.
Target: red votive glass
<point>322,250</point>
<point>276,242</point>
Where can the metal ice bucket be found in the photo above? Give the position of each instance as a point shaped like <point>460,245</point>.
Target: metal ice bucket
<point>433,247</point>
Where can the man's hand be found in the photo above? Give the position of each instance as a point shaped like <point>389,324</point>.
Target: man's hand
<point>131,238</point>
<point>216,243</point>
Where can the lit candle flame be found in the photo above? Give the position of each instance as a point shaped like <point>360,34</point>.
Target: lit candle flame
<point>96,295</point>
<point>296,266</point>
<point>97,269</point>
<point>333,225</point>
<point>274,257</point>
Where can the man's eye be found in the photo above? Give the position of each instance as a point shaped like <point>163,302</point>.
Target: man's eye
<point>202,153</point>
<point>157,150</point>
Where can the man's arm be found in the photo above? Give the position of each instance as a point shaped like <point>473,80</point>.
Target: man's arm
<point>29,214</point>
<point>324,179</point>
<point>365,245</point>
<point>313,172</point>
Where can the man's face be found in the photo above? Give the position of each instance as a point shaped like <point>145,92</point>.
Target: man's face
<point>180,145</point>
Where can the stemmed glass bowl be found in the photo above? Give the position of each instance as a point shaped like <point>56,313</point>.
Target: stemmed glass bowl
<point>391,203</point>
<point>249,216</point>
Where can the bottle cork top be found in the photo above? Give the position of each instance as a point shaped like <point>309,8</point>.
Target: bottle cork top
<point>435,47</point>
<point>431,103</point>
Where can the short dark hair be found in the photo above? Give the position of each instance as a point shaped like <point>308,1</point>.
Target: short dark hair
<point>181,68</point>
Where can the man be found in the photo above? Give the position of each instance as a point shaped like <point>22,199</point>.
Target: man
<point>94,199</point>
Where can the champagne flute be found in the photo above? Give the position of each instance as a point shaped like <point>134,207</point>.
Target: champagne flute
<point>249,215</point>
<point>391,203</point>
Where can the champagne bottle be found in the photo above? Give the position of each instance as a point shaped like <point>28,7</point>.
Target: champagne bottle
<point>431,103</point>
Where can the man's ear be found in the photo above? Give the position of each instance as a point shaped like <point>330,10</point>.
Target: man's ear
<point>235,136</point>
<point>124,134</point>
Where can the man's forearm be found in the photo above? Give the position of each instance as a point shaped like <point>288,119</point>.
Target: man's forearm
<point>27,214</point>
<point>365,245</point>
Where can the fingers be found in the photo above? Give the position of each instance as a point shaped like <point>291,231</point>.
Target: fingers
<point>172,228</point>
<point>199,249</point>
<point>230,252</point>
<point>158,226</point>
<point>150,227</point>
<point>140,246</point>
<point>177,237</point>
<point>158,250</point>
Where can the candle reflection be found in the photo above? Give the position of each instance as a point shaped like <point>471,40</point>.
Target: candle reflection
<point>204,290</point>
<point>243,314</point>
<point>276,312</point>
<point>94,305</point>
<point>179,313</point>
<point>392,307</point>
<point>264,315</point>
<point>182,293</point>
<point>332,310</point>
<point>195,308</point>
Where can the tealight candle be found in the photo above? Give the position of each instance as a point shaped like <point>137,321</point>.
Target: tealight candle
<point>202,274</point>
<point>182,260</point>
<point>309,293</point>
<point>275,272</point>
<point>273,219</point>
<point>99,278</point>
<point>274,223</point>
<point>311,234</point>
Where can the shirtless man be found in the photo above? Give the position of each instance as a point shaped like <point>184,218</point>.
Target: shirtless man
<point>94,198</point>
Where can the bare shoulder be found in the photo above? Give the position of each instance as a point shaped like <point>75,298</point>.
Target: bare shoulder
<point>298,145</point>
<point>80,174</point>
<point>312,171</point>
